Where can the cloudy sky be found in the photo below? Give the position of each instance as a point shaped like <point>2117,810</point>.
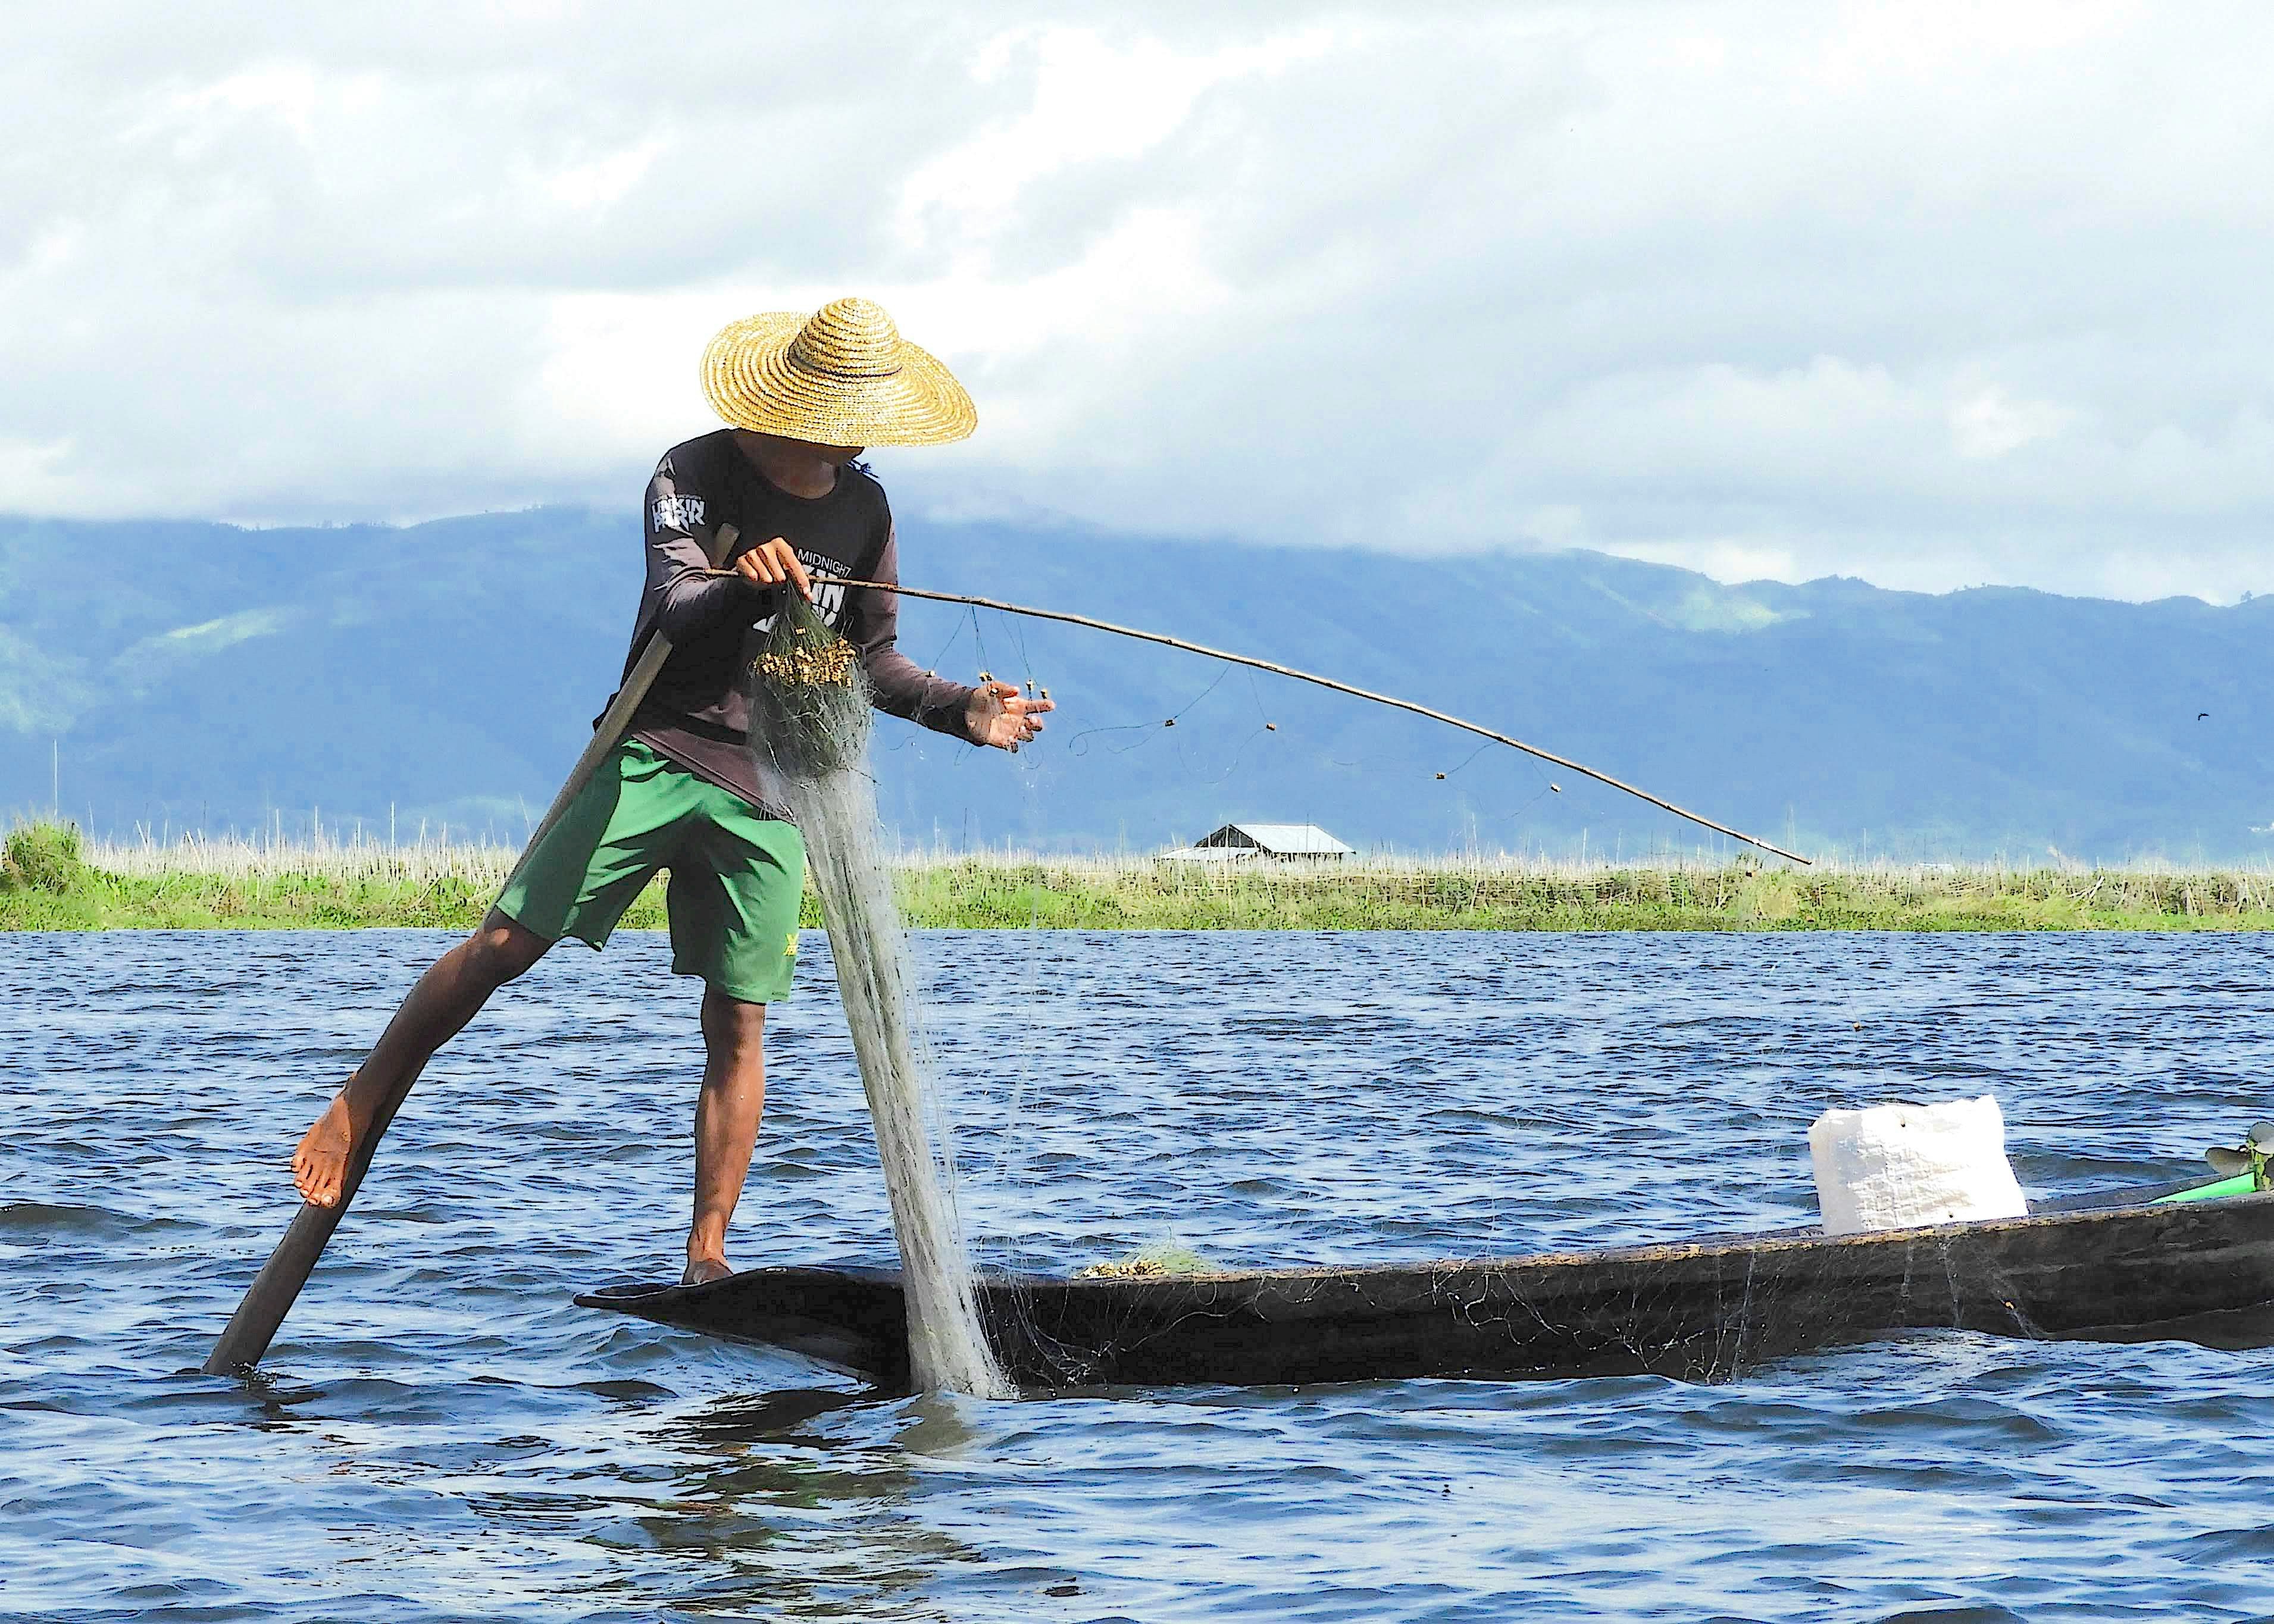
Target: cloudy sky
<point>1930,294</point>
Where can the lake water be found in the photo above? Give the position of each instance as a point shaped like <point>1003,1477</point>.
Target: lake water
<point>440,1434</point>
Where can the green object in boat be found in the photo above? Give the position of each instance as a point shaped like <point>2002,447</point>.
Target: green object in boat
<point>2242,1183</point>
<point>2245,1167</point>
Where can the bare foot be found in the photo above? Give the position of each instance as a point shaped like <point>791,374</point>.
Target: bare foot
<point>319,1167</point>
<point>702,1271</point>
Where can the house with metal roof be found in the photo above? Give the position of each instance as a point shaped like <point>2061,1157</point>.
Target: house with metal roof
<point>1235,842</point>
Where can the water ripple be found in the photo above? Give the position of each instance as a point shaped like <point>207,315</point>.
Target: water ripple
<point>441,1435</point>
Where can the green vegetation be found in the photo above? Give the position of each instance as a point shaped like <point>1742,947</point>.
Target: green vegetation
<point>49,882</point>
<point>1456,895</point>
<point>42,858</point>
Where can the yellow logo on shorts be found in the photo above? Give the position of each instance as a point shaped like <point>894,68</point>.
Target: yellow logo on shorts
<point>790,952</point>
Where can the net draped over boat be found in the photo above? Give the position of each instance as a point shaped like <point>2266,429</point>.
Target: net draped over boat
<point>809,725</point>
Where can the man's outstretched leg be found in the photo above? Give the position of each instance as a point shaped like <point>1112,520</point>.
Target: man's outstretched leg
<point>446,998</point>
<point>725,1125</point>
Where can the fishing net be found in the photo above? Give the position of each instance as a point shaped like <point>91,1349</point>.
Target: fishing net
<point>808,705</point>
<point>1151,1263</point>
<point>809,725</point>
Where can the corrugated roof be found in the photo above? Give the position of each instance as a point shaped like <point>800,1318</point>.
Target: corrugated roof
<point>1281,839</point>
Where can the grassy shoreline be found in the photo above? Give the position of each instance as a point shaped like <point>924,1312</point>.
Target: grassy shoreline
<point>48,881</point>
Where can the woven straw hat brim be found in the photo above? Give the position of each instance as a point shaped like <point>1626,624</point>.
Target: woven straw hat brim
<point>754,382</point>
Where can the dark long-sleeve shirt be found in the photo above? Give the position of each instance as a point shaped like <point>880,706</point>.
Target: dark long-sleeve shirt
<point>698,713</point>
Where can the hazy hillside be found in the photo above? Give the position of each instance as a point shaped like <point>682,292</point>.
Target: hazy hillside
<point>191,673</point>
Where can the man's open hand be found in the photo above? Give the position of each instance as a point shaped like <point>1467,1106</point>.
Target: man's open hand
<point>771,563</point>
<point>1000,715</point>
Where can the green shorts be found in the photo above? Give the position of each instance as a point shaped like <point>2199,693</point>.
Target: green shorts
<point>736,879</point>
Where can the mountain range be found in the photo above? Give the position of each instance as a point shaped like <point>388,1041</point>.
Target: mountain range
<point>183,674</point>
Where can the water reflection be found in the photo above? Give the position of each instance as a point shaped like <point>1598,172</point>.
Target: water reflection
<point>758,1502</point>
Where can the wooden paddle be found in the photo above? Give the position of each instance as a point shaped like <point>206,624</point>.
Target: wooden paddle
<point>274,1290</point>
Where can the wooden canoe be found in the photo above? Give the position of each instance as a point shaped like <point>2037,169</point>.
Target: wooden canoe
<point>2111,1267</point>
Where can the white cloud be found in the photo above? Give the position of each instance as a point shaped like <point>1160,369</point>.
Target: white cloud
<point>607,180</point>
<point>1091,100</point>
<point>1932,294</point>
<point>1989,423</point>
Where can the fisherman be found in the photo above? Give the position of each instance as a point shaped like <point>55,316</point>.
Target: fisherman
<point>803,397</point>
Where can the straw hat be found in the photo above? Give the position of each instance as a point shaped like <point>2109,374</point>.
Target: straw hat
<point>843,376</point>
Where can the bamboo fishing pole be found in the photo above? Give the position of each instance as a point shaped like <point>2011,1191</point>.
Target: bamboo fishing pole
<point>245,1339</point>
<point>1275,669</point>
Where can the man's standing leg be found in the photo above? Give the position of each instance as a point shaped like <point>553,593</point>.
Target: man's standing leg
<point>725,1125</point>
<point>448,995</point>
<point>736,880</point>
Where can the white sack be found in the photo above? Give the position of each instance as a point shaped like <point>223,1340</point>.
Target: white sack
<point>1892,1167</point>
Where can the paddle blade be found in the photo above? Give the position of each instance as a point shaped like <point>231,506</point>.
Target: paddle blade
<point>2227,1162</point>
